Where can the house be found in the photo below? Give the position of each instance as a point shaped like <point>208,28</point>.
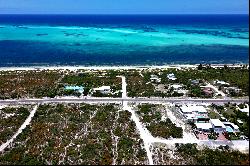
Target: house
<point>195,82</point>
<point>194,113</point>
<point>221,83</point>
<point>231,127</point>
<point>206,127</point>
<point>208,91</point>
<point>223,119</point>
<point>246,109</point>
<point>240,122</point>
<point>155,78</point>
<point>171,77</point>
<point>178,88</point>
<point>232,90</point>
<point>103,89</point>
<point>79,89</point>
<point>218,126</point>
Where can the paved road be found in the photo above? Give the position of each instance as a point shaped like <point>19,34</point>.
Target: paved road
<point>118,100</point>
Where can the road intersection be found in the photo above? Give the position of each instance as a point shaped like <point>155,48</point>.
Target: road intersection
<point>124,100</point>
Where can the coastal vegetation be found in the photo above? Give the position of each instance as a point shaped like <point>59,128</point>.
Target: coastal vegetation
<point>20,84</point>
<point>151,116</point>
<point>139,84</point>
<point>206,156</point>
<point>77,134</point>
<point>11,119</point>
<point>190,154</point>
<point>234,76</point>
<point>51,83</point>
<point>93,80</point>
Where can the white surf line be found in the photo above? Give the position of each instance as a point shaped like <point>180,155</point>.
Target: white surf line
<point>103,67</point>
<point>23,126</point>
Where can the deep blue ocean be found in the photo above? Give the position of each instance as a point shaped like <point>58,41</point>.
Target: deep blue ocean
<point>29,40</point>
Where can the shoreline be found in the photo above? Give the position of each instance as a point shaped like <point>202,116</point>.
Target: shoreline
<point>115,67</point>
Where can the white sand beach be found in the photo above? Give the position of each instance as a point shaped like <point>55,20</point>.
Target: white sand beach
<point>72,68</point>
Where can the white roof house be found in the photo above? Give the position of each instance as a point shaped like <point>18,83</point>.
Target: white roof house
<point>204,126</point>
<point>103,89</point>
<point>235,127</point>
<point>245,110</point>
<point>199,109</point>
<point>221,82</point>
<point>176,86</point>
<point>217,123</point>
<point>190,116</point>
<point>171,76</point>
<point>193,109</point>
<point>182,91</point>
<point>155,78</point>
<point>185,109</point>
<point>240,121</point>
<point>233,88</point>
<point>194,113</point>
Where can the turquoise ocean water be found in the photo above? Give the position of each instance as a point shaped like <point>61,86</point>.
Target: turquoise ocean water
<point>29,40</point>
